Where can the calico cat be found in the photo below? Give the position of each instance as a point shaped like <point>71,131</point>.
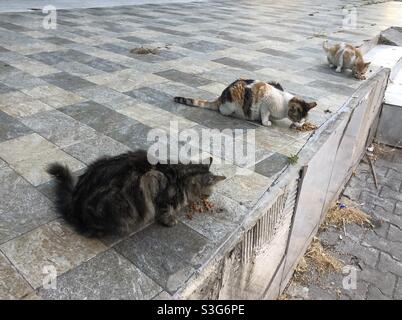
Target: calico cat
<point>346,56</point>
<point>257,101</point>
<point>116,193</point>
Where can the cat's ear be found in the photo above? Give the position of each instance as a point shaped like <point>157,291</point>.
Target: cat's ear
<point>311,105</point>
<point>212,179</point>
<point>216,179</point>
<point>367,64</point>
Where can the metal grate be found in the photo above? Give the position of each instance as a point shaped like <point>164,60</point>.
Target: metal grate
<point>266,227</point>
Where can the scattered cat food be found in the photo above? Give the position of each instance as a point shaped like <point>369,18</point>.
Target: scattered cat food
<point>208,205</point>
<point>307,126</point>
<point>201,206</point>
<point>327,111</point>
<point>149,50</point>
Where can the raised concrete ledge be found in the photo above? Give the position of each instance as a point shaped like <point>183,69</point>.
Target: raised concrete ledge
<point>216,280</point>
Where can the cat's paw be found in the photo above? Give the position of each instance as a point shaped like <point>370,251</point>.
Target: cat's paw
<point>267,123</point>
<point>338,69</point>
<point>169,221</point>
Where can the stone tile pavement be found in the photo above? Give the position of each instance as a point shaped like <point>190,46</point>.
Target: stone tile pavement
<point>27,5</point>
<point>76,93</point>
<point>375,255</point>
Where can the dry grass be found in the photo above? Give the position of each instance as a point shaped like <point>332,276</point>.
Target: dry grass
<point>321,34</point>
<point>300,274</point>
<point>307,126</point>
<point>338,217</point>
<point>283,296</point>
<point>321,259</point>
<point>317,259</point>
<point>302,267</point>
<point>380,150</point>
<point>149,50</point>
<point>144,50</point>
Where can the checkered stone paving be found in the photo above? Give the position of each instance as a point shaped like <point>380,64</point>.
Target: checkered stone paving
<point>375,255</point>
<point>77,92</point>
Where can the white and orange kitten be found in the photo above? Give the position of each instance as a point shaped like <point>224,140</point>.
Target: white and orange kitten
<point>346,56</point>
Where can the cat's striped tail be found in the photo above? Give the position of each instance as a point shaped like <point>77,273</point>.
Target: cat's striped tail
<point>213,105</point>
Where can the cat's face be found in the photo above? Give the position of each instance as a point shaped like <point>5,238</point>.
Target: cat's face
<point>201,184</point>
<point>360,68</point>
<point>298,109</point>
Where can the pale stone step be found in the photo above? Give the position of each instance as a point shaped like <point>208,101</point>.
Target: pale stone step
<point>387,57</point>
<point>393,94</point>
<point>389,128</point>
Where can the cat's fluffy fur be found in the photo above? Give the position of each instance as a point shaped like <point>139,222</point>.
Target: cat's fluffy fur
<point>346,56</point>
<point>256,100</point>
<point>116,193</point>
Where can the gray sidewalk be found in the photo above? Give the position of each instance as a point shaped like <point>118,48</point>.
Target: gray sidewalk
<point>27,5</point>
<point>76,93</point>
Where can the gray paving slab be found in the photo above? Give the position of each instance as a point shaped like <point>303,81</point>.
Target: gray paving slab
<point>156,260</point>
<point>17,214</point>
<point>108,276</point>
